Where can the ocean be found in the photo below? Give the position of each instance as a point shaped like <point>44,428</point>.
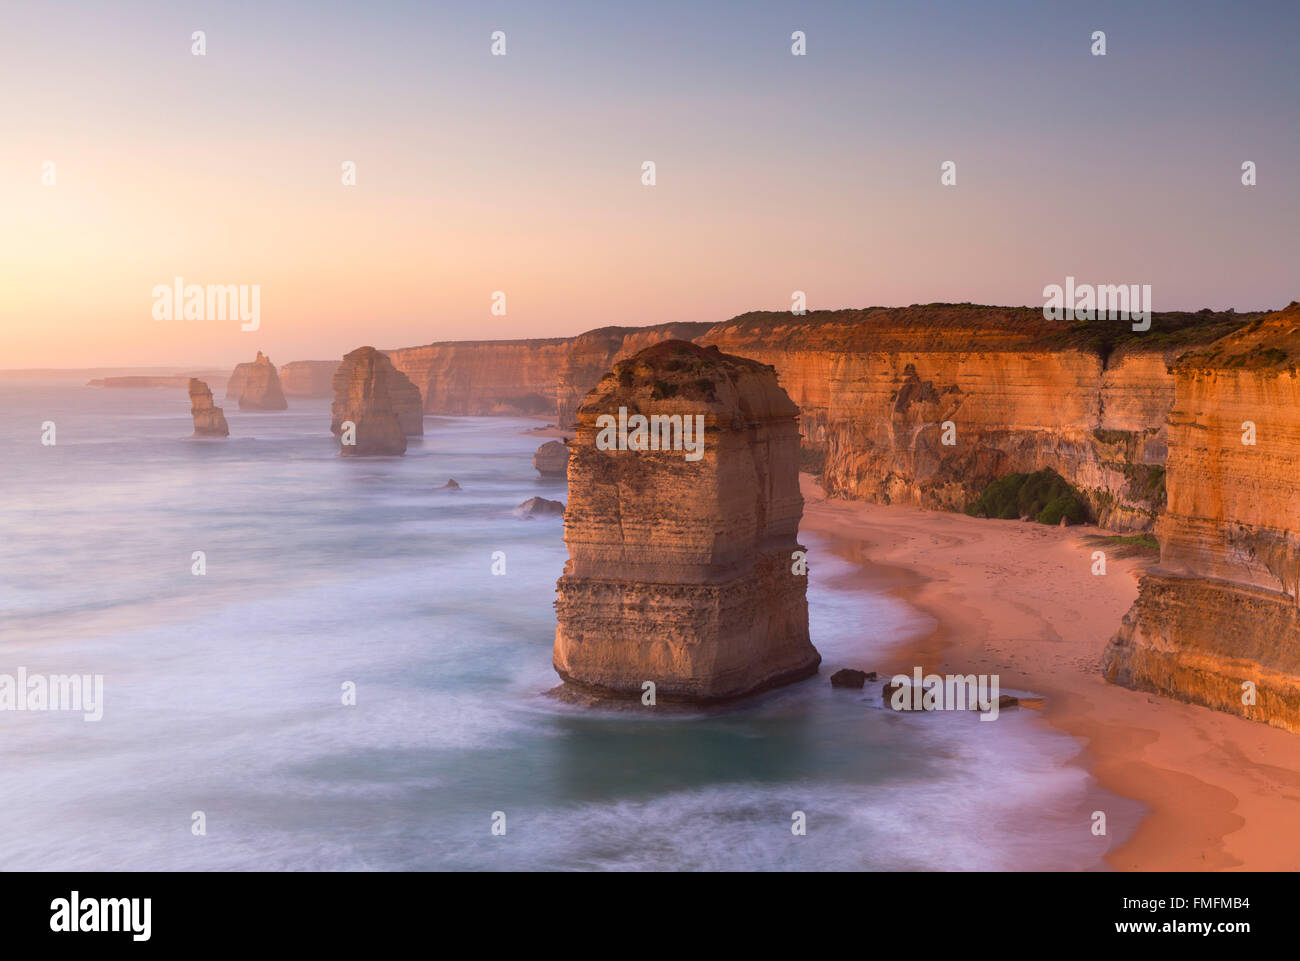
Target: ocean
<point>223,692</point>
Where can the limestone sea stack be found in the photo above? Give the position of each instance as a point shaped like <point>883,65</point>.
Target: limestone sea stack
<point>363,400</point>
<point>552,459</point>
<point>256,386</point>
<point>403,396</point>
<point>1216,622</point>
<point>680,565</point>
<point>209,420</point>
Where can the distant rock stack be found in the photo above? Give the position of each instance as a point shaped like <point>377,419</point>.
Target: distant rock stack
<point>256,386</point>
<point>681,567</point>
<point>209,421</point>
<point>403,396</point>
<point>1222,608</point>
<point>552,459</point>
<point>363,396</point>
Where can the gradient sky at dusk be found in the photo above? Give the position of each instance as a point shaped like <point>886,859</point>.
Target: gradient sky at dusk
<point>523,173</point>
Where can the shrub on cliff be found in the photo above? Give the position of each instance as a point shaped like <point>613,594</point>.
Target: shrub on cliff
<point>1043,495</point>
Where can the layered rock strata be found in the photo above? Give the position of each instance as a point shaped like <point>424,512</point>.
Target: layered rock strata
<point>209,420</point>
<point>516,377</point>
<point>875,387</point>
<point>681,568</point>
<point>256,386</point>
<point>1216,621</point>
<point>364,417</point>
<point>403,396</point>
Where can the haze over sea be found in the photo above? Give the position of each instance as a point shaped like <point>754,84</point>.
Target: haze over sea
<point>223,691</point>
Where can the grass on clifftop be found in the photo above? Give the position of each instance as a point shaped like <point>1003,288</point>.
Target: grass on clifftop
<point>1044,496</point>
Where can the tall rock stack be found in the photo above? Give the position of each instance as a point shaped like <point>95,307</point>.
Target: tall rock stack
<point>209,420</point>
<point>681,568</point>
<point>363,396</point>
<point>256,386</point>
<point>403,396</point>
<point>1220,609</point>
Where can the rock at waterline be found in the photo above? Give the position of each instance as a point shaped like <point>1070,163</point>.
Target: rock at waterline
<point>552,459</point>
<point>451,485</point>
<point>538,507</point>
<point>848,677</point>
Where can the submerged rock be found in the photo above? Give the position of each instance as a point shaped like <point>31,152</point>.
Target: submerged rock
<point>848,677</point>
<point>209,420</point>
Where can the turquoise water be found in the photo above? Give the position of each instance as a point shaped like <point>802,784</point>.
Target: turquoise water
<point>223,691</point>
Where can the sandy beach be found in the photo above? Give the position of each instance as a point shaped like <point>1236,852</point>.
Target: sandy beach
<point>1020,600</point>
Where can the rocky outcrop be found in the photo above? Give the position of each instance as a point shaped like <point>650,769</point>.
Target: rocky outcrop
<point>1218,615</point>
<point>363,414</point>
<point>538,507</point>
<point>402,397</point>
<point>680,567</point>
<point>552,459</point>
<point>209,420</point>
<point>308,378</point>
<point>256,386</point>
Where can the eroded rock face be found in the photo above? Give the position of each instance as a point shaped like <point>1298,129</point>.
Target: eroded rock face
<point>363,398</point>
<point>680,563</point>
<point>1022,393</point>
<point>542,376</point>
<point>209,420</point>
<point>1220,609</point>
<point>402,396</point>
<point>552,459</point>
<point>256,386</point>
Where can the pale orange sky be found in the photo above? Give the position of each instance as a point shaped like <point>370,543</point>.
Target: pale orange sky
<point>523,173</point>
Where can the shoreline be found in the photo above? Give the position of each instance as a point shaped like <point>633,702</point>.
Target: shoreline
<point>1019,599</point>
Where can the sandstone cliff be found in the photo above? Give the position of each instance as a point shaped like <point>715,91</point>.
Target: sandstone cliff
<point>875,387</point>
<point>403,397</point>
<point>680,567</point>
<point>308,378</point>
<point>364,388</point>
<point>256,386</point>
<point>1021,393</point>
<point>1220,609</point>
<point>209,420</point>
<point>523,376</point>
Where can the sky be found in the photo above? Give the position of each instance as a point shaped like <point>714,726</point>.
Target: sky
<point>522,173</point>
